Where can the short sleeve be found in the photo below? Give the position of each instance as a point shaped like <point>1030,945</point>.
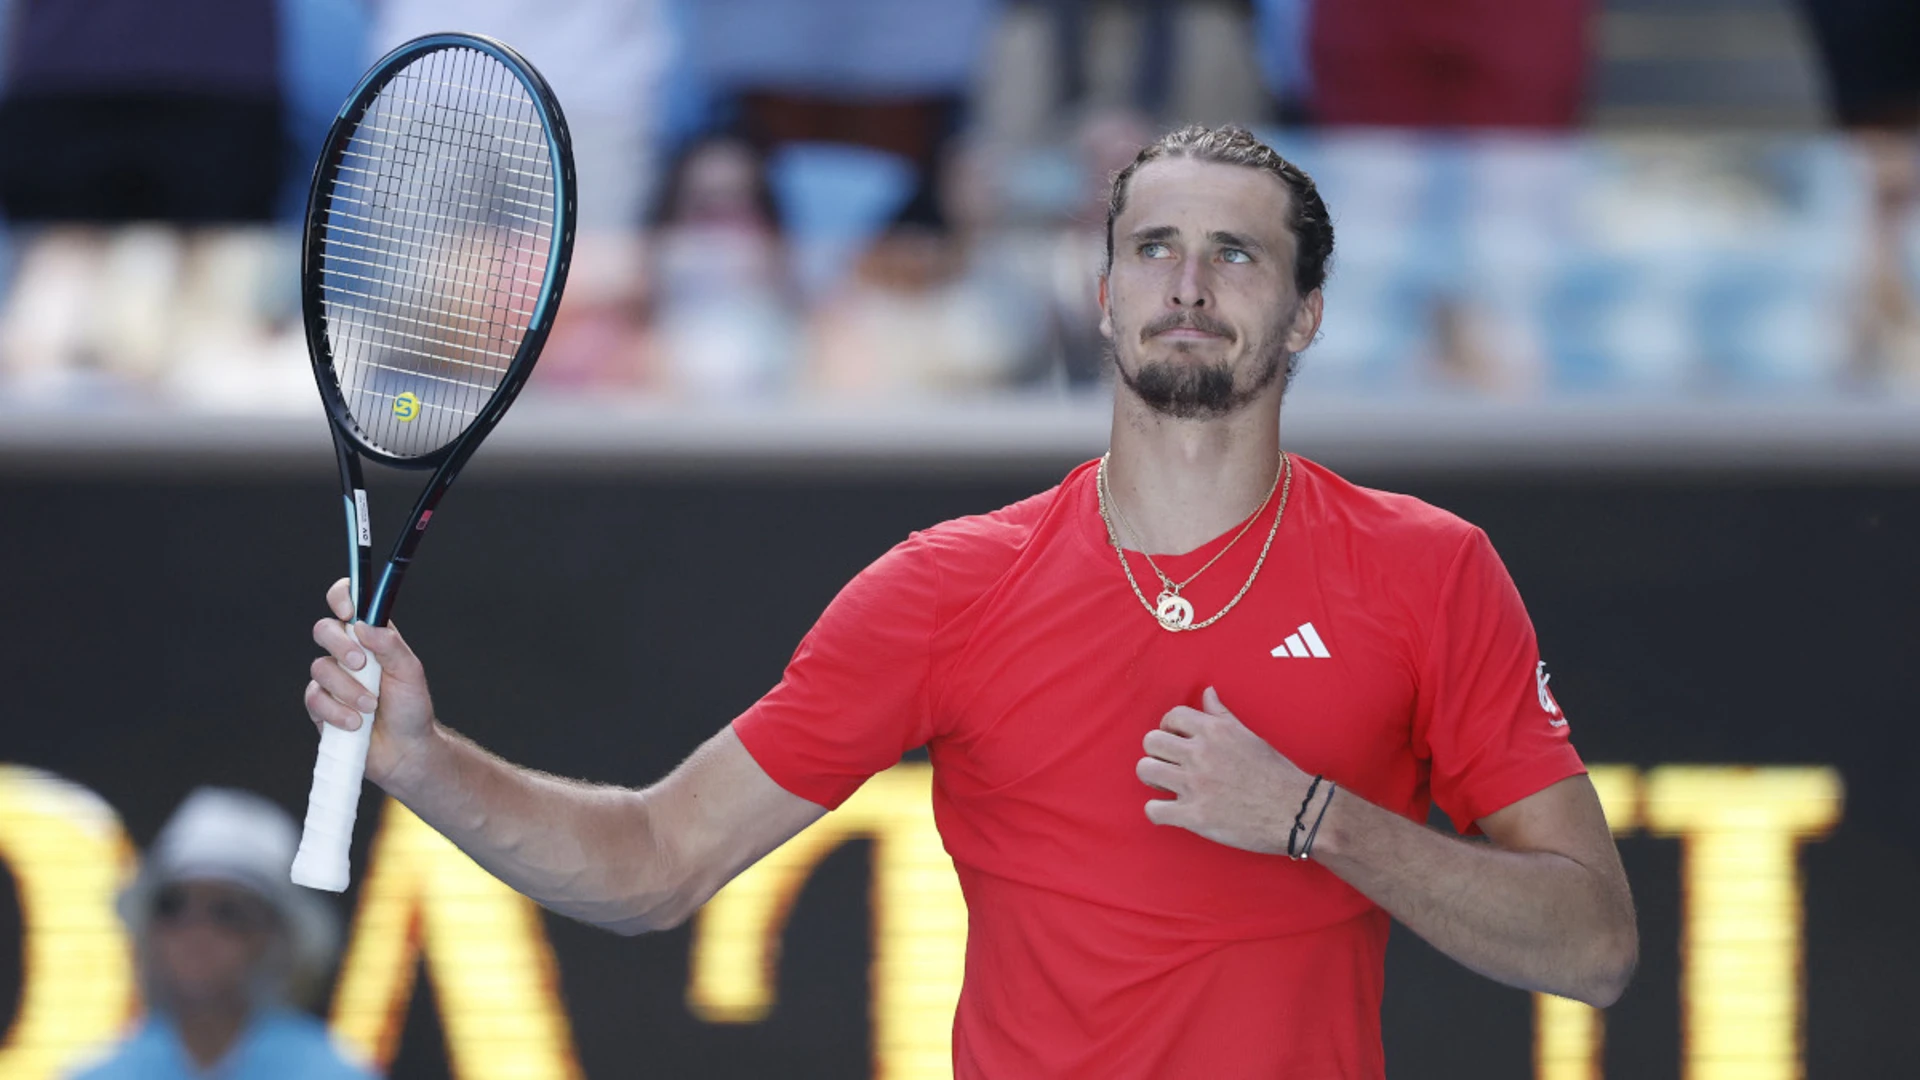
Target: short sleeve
<point>1484,720</point>
<point>855,696</point>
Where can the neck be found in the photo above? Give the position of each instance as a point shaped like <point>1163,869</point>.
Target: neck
<point>209,1032</point>
<point>1180,483</point>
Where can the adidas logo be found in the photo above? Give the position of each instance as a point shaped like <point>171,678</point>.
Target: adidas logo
<point>1302,643</point>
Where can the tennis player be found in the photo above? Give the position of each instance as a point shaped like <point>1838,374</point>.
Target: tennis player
<point>1187,711</point>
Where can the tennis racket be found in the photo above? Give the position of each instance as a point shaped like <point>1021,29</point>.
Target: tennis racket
<point>439,228</point>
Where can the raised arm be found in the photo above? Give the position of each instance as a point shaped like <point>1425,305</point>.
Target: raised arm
<point>626,860</point>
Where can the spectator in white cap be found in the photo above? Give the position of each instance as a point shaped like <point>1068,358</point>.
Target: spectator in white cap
<point>227,948</point>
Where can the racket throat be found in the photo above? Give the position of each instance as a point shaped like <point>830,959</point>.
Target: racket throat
<point>380,604</point>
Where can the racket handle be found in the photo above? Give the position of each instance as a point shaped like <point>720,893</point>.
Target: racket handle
<point>334,802</point>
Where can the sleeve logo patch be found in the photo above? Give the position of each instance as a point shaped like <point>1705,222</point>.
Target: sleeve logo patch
<point>1547,703</point>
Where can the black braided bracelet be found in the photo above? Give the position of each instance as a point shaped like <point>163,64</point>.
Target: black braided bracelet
<point>1307,850</point>
<point>1299,820</point>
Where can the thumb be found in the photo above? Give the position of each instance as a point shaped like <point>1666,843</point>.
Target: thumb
<point>1210,701</point>
<point>397,661</point>
<point>382,641</point>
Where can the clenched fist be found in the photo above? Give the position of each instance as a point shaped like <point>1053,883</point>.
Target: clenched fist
<point>404,710</point>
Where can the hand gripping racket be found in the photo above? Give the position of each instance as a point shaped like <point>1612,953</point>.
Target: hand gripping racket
<point>439,228</point>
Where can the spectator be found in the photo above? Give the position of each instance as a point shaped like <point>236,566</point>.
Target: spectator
<point>605,60</point>
<point>1105,143</point>
<point>225,944</point>
<point>723,314</point>
<point>1153,49</point>
<point>931,313</point>
<point>1427,63</point>
<point>891,75</point>
<point>1280,48</point>
<point>1889,347</point>
<point>324,45</point>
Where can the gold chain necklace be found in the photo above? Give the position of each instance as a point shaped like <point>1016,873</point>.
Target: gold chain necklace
<point>1167,583</point>
<point>1171,610</point>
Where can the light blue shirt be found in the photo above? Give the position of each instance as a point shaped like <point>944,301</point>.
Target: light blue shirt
<point>278,1045</point>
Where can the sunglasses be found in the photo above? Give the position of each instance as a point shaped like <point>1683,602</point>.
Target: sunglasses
<point>176,906</point>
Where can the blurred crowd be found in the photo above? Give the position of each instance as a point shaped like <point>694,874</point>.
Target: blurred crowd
<point>903,198</point>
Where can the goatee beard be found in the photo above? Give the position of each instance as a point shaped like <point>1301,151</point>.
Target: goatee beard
<point>1198,391</point>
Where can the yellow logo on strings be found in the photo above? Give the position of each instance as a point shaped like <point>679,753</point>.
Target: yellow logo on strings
<point>406,406</point>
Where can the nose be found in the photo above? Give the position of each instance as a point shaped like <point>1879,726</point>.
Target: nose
<point>1193,287</point>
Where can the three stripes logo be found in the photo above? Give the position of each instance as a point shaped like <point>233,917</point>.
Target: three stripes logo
<point>1302,644</point>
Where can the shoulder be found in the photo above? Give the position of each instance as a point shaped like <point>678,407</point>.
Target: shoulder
<point>1408,553</point>
<point>923,579</point>
<point>998,535</point>
<point>298,1046</point>
<point>1385,523</point>
<point>976,548</point>
<point>142,1053</point>
<point>113,1066</point>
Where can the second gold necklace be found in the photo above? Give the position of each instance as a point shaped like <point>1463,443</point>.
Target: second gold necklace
<point>1173,611</point>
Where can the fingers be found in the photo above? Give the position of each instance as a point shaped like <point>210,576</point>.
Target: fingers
<point>345,699</point>
<point>1158,774</point>
<point>1190,722</point>
<point>1183,721</point>
<point>1167,746</point>
<point>334,696</point>
<point>340,600</point>
<point>344,685</point>
<point>386,644</point>
<point>1165,812</point>
<point>324,708</point>
<point>331,635</point>
<point>1210,701</point>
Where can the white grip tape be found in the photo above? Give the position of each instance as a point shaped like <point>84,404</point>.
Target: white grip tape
<point>334,802</point>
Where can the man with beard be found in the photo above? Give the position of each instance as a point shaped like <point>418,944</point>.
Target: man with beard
<point>1186,711</point>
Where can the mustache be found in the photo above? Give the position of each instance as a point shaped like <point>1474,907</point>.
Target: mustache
<point>1187,320</point>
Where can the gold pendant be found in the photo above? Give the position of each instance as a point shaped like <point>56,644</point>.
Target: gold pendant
<point>1173,611</point>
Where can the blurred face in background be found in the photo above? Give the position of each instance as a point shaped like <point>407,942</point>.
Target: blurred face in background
<point>205,943</point>
<point>1199,306</point>
<point>721,185</point>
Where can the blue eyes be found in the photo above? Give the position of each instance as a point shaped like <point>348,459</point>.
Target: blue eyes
<point>1154,249</point>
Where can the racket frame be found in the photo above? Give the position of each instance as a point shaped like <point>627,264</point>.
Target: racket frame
<point>372,606</point>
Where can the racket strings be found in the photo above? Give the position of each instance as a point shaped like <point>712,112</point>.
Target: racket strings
<point>439,219</point>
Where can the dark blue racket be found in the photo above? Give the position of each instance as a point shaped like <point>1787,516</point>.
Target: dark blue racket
<point>439,228</point>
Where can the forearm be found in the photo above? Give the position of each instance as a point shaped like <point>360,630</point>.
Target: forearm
<point>1538,920</point>
<point>586,851</point>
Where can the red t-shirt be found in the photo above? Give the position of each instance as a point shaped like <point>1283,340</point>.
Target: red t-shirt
<point>1100,945</point>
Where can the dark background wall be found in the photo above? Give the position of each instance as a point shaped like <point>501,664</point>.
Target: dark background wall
<point>601,623</point>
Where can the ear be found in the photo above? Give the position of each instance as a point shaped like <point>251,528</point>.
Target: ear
<point>1106,312</point>
<point>1306,322</point>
